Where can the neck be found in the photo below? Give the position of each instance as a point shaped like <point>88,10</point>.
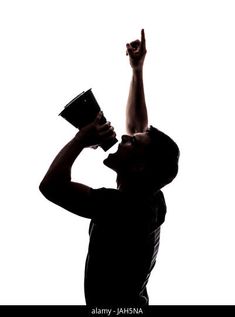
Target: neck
<point>132,184</point>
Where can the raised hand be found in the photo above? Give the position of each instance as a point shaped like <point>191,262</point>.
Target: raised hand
<point>137,51</point>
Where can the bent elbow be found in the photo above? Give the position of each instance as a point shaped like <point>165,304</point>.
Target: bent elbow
<point>47,188</point>
<point>52,190</point>
<point>47,191</point>
<point>44,187</point>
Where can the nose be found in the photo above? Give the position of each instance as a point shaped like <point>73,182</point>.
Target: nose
<point>125,138</point>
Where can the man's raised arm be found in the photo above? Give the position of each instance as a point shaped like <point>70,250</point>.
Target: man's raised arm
<point>136,111</point>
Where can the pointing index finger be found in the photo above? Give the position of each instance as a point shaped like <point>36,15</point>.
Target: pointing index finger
<point>143,39</point>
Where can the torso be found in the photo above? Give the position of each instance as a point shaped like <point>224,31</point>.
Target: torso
<point>122,252</point>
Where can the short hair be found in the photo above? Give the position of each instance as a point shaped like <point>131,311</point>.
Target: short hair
<point>162,158</point>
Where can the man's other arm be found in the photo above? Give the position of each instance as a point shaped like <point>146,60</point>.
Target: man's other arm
<point>57,186</point>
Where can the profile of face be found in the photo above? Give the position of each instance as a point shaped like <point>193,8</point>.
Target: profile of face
<point>130,153</point>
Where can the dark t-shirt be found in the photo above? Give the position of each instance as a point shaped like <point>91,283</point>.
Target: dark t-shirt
<point>124,240</point>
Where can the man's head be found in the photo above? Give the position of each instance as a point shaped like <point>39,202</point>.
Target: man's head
<point>148,160</point>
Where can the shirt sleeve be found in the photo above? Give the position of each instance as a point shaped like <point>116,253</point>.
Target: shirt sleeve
<point>107,204</point>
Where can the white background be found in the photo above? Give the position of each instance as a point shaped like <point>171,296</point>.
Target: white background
<point>53,50</point>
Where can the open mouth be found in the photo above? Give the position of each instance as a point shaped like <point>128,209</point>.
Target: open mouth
<point>114,148</point>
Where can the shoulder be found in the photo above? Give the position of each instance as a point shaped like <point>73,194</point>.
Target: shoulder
<point>104,193</point>
<point>160,205</point>
<point>160,198</point>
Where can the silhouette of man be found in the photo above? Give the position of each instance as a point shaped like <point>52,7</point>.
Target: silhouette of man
<point>125,222</point>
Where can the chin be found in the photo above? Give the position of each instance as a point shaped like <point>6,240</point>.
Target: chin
<point>109,162</point>
<point>105,162</point>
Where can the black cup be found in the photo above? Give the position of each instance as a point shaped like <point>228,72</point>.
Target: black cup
<point>82,110</point>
